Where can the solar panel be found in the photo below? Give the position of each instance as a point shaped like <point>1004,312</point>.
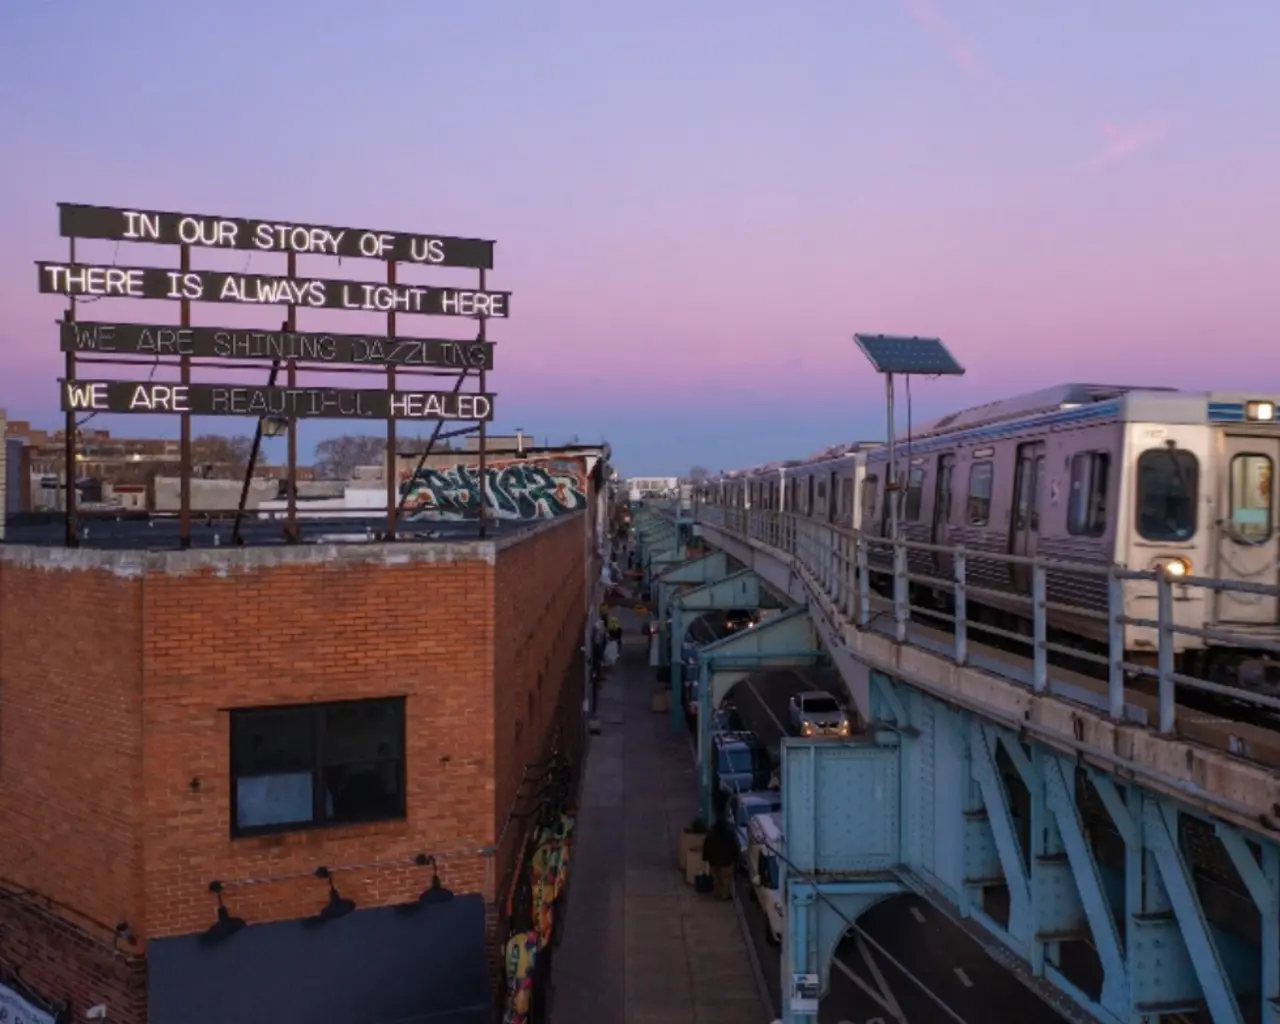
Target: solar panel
<point>924,356</point>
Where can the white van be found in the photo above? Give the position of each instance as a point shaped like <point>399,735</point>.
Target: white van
<point>765,870</point>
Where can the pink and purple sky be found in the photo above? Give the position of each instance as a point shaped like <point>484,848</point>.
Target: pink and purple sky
<point>696,204</point>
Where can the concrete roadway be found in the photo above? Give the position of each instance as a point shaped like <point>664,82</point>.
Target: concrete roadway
<point>866,986</point>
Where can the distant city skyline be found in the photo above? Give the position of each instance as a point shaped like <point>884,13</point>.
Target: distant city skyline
<point>694,211</point>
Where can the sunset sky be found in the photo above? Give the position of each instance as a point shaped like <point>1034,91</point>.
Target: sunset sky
<point>696,203</point>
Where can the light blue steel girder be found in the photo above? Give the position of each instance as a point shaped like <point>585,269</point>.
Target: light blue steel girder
<point>788,640</point>
<point>697,572</point>
<point>840,806</point>
<point>840,847</point>
<point>818,914</point>
<point>1263,882</point>
<point>741,590</point>
<point>982,750</point>
<point>1059,777</point>
<point>925,805</point>
<point>1160,830</point>
<point>1171,959</point>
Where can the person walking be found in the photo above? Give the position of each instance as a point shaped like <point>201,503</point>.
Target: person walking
<point>720,851</point>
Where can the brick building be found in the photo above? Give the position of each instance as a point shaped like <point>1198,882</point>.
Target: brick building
<point>169,721</point>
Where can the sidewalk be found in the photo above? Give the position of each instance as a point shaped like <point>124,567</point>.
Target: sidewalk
<point>640,946</point>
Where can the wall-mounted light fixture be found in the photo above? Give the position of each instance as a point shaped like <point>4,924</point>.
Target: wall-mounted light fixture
<point>338,905</point>
<point>433,894</point>
<point>226,925</point>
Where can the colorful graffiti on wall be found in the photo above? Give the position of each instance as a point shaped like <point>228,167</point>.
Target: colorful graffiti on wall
<point>519,489</point>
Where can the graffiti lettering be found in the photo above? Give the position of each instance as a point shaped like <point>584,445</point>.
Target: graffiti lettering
<point>525,489</point>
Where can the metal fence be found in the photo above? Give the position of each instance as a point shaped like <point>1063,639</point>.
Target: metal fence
<point>873,582</point>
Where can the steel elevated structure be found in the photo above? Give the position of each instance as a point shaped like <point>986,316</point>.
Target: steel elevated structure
<point>1050,812</point>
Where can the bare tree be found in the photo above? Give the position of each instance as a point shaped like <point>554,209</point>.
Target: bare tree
<point>338,457</point>
<point>213,455</point>
<point>698,473</point>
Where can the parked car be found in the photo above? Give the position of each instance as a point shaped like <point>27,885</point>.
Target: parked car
<point>739,619</point>
<point>727,718</point>
<point>742,808</point>
<point>817,713</point>
<point>741,763</point>
<point>765,870</point>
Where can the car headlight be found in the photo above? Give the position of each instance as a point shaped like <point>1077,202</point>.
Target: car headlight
<point>1173,565</point>
<point>844,727</point>
<point>806,729</point>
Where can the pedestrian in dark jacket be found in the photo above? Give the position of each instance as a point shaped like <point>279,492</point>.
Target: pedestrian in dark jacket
<point>720,851</point>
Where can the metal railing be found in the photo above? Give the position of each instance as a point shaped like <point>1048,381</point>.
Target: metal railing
<point>878,583</point>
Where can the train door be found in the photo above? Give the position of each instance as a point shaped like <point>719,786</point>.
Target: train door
<point>1024,530</point>
<point>941,534</point>
<point>809,506</point>
<point>1248,547</point>
<point>833,498</point>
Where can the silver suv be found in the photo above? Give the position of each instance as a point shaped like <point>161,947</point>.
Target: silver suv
<point>817,713</point>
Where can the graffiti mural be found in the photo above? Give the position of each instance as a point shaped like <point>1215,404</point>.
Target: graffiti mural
<point>518,489</point>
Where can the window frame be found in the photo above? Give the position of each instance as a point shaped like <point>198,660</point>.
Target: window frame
<point>316,713</point>
<point>913,498</point>
<point>869,488</point>
<point>1231,499</point>
<point>1084,525</point>
<point>1193,499</point>
<point>989,466</point>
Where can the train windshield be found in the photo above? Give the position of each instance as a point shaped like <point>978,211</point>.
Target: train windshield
<point>1168,488</point>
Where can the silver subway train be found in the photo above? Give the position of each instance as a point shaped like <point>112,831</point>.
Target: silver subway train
<point>1078,475</point>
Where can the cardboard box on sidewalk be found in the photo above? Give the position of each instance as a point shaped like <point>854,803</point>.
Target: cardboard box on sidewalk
<point>690,846</point>
<point>695,866</point>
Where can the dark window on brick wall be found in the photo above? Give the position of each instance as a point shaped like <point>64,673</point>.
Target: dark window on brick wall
<point>320,764</point>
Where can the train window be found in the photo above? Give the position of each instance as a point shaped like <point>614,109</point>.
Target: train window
<point>1087,503</point>
<point>822,491</point>
<point>915,490</point>
<point>978,511</point>
<point>1168,488</point>
<point>868,500</point>
<point>1251,489</point>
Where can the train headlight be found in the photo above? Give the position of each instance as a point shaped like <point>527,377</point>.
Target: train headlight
<point>1264,411</point>
<point>1173,566</point>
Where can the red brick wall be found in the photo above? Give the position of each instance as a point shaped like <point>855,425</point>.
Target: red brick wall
<point>68,967</point>
<point>539,617</point>
<point>115,810</point>
<point>314,632</point>
<point>71,739</point>
<point>71,782</point>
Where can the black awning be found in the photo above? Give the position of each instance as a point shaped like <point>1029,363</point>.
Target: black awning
<point>377,966</point>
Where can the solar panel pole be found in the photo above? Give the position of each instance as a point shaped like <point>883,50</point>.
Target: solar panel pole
<point>891,485</point>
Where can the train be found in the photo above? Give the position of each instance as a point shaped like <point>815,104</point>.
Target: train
<point>1078,476</point>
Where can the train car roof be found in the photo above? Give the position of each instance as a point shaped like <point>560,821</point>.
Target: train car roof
<point>1061,396</point>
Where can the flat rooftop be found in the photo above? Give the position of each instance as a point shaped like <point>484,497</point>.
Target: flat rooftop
<point>161,533</point>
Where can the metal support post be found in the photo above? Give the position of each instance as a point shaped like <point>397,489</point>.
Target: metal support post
<point>291,533</point>
<point>1115,644</point>
<point>678,628</point>
<point>392,465</point>
<point>960,570</point>
<point>891,485</point>
<point>901,591</point>
<point>705,775</point>
<point>1164,653</point>
<point>184,421</point>
<point>69,430</point>
<point>864,583</point>
<point>482,473</point>
<point>1039,628</point>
